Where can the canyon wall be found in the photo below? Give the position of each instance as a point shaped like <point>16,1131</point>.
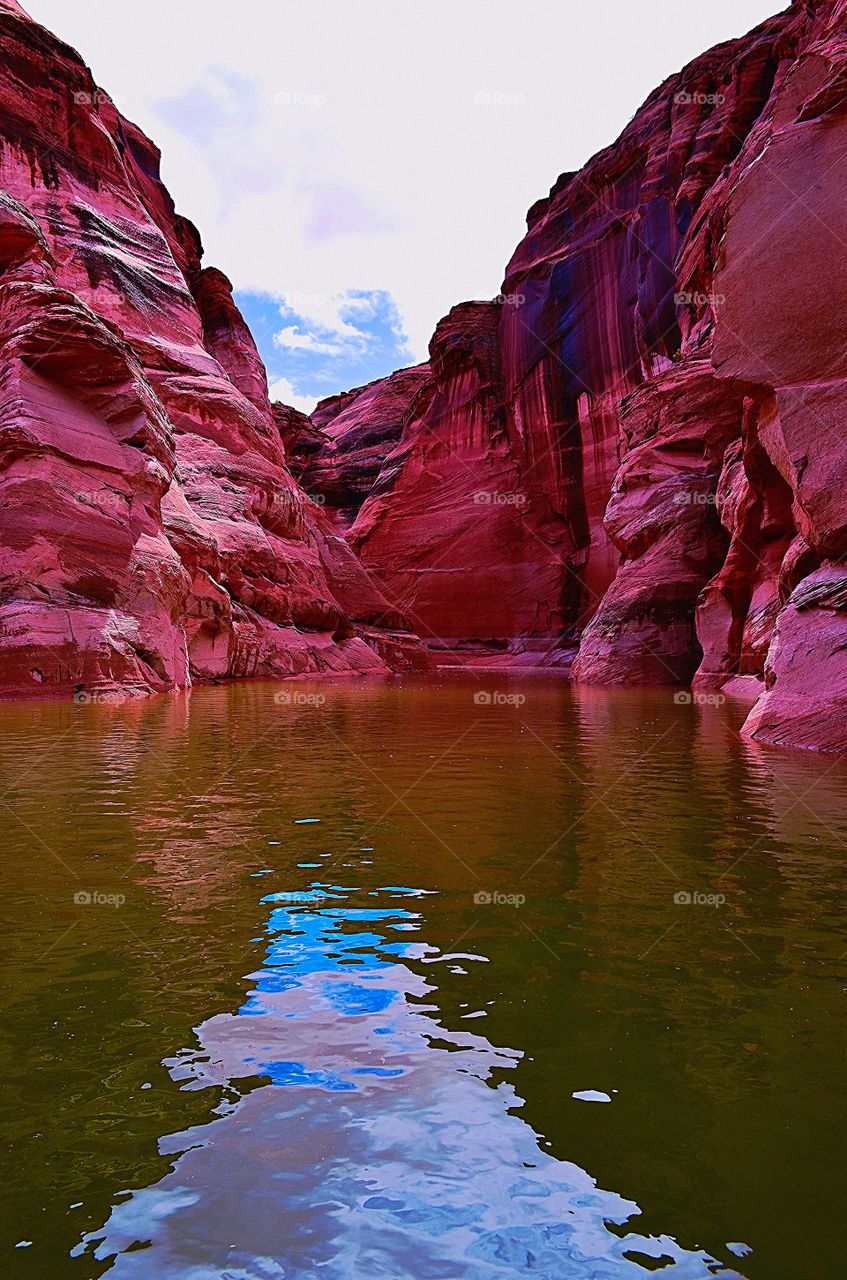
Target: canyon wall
<point>629,464</point>
<point>636,453</point>
<point>150,532</point>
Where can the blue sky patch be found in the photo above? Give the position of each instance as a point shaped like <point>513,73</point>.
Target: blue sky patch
<point>327,345</point>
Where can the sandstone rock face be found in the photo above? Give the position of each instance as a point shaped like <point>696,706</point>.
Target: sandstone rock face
<point>662,517</point>
<point>660,386</point>
<point>301,439</point>
<point>150,533</point>
<point>360,428</point>
<point>455,527</point>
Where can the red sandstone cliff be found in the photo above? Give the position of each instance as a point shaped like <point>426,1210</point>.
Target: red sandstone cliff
<point>150,533</point>
<point>640,448</point>
<point>360,428</point>
<point>635,452</point>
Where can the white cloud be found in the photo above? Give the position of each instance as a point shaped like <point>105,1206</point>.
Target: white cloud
<point>387,147</point>
<point>282,390</point>
<point>291,337</point>
<point>332,312</point>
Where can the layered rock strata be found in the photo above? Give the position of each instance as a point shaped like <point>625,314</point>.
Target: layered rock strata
<point>150,531</point>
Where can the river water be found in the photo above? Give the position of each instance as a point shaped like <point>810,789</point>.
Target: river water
<point>460,979</point>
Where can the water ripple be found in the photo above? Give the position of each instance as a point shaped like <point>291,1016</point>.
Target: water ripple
<point>377,1143</point>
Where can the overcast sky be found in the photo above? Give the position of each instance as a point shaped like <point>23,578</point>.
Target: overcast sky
<point>358,166</point>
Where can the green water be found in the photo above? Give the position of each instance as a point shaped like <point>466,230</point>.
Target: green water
<point>278,1048</point>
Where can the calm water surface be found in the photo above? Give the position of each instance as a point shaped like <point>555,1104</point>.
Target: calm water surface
<point>310,988</point>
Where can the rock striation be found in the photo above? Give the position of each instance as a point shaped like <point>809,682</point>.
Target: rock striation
<point>637,452</point>
<point>150,531</point>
